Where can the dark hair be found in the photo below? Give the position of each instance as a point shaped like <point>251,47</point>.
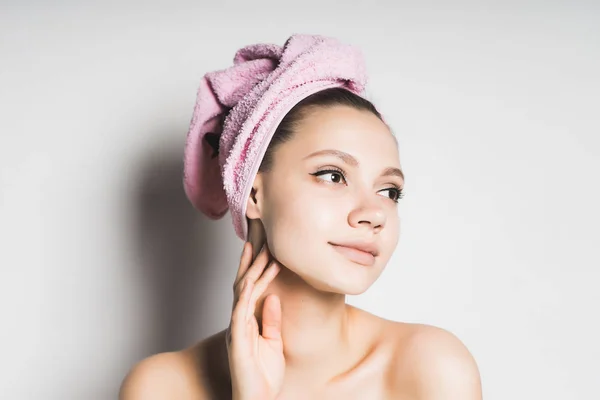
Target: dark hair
<point>324,98</point>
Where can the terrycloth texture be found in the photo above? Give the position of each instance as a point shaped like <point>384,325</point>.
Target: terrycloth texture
<point>240,108</point>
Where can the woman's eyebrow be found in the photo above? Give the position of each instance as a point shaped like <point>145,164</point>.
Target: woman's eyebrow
<point>350,160</point>
<point>345,157</point>
<point>392,171</point>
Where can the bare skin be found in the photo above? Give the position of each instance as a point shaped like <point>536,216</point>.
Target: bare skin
<point>402,364</point>
<point>329,349</point>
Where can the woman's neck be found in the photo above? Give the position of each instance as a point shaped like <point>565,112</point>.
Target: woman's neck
<point>316,328</point>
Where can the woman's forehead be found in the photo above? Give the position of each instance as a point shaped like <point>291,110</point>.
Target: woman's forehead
<point>357,132</point>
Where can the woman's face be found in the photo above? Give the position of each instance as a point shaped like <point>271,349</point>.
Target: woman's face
<point>310,202</point>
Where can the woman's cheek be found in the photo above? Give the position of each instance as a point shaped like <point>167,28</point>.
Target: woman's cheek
<point>391,236</point>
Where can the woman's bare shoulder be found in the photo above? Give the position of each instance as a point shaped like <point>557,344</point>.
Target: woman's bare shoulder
<point>197,372</point>
<point>423,361</point>
<point>432,362</point>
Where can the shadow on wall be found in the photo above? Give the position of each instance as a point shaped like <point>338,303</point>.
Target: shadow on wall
<point>177,248</point>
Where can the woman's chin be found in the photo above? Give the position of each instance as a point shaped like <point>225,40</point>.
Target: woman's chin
<point>344,278</point>
<point>350,288</point>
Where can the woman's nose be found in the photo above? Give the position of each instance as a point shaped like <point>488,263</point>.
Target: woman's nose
<point>368,213</point>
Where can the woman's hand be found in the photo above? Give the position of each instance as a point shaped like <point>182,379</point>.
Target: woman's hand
<point>256,361</point>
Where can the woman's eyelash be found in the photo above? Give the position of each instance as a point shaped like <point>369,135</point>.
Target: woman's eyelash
<point>331,170</point>
<point>399,192</point>
<point>334,170</point>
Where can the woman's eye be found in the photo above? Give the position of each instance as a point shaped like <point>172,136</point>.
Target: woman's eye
<point>396,194</point>
<point>336,176</point>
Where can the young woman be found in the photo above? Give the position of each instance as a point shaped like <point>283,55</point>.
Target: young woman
<point>320,222</point>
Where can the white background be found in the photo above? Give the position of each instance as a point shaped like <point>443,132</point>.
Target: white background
<point>104,262</point>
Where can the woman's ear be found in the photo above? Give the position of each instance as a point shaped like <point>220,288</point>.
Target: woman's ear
<point>255,200</point>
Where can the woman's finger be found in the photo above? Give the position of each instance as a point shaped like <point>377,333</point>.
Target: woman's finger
<point>239,316</point>
<point>245,261</point>
<point>261,285</point>
<point>255,270</point>
<point>266,278</point>
<point>271,319</point>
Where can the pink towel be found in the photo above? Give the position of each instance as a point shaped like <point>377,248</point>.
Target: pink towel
<point>240,107</point>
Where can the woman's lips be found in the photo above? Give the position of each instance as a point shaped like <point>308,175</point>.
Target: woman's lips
<point>358,256</point>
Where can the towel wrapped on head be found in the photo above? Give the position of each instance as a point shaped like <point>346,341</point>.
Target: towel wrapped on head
<point>238,109</point>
